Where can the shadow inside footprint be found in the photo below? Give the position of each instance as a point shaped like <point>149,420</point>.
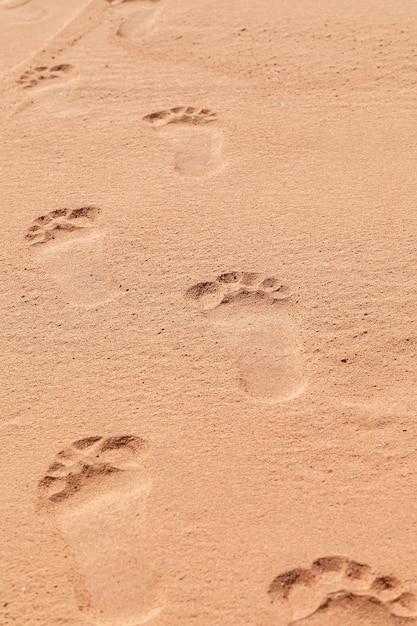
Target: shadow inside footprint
<point>67,244</point>
<point>45,76</point>
<point>337,590</point>
<point>197,147</point>
<point>253,314</point>
<point>346,609</point>
<point>95,491</point>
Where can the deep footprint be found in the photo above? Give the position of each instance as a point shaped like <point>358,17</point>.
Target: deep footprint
<point>23,10</point>
<point>253,313</point>
<point>197,148</point>
<point>138,17</point>
<point>337,590</point>
<point>69,246</point>
<point>95,491</point>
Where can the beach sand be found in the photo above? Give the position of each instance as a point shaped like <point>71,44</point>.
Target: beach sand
<point>208,313</point>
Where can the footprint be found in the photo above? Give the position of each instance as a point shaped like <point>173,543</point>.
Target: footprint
<point>96,491</point>
<point>253,313</point>
<point>44,76</point>
<point>138,16</point>
<point>23,10</point>
<point>337,590</point>
<point>48,83</point>
<point>69,246</point>
<point>198,149</point>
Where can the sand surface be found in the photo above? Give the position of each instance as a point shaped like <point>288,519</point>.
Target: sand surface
<point>208,313</point>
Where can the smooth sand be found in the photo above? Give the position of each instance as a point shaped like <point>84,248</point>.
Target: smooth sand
<point>208,313</point>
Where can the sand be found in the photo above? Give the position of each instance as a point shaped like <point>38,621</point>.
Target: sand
<point>208,313</point>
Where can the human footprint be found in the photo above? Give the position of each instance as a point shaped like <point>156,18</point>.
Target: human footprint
<point>95,491</point>
<point>197,143</point>
<point>138,16</point>
<point>338,591</point>
<point>69,246</point>
<point>42,76</point>
<point>23,10</point>
<point>253,312</point>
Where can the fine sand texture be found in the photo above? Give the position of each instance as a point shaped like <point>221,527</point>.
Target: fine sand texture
<point>208,313</point>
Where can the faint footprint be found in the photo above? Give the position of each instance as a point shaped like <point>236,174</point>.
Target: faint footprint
<point>69,246</point>
<point>23,10</point>
<point>44,76</point>
<point>138,16</point>
<point>337,590</point>
<point>253,313</point>
<point>96,492</point>
<point>198,149</point>
<point>48,82</point>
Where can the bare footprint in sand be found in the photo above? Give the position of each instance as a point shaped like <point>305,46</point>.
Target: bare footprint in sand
<point>253,313</point>
<point>95,491</point>
<point>69,246</point>
<point>50,86</point>
<point>198,148</point>
<point>342,592</point>
<point>45,76</point>
<point>23,10</point>
<point>138,16</point>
